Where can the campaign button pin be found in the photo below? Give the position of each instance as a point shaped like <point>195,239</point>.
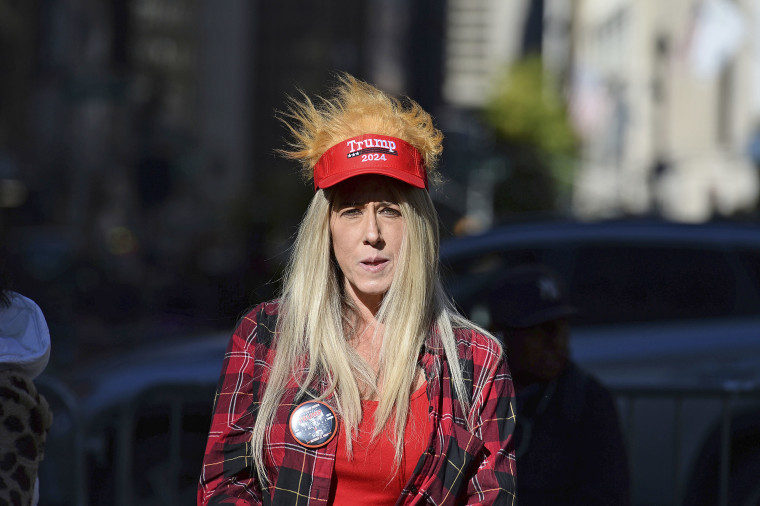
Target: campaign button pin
<point>313,424</point>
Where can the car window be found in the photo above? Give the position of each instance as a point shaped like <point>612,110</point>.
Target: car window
<point>468,279</point>
<point>750,261</point>
<point>643,283</point>
<point>619,283</point>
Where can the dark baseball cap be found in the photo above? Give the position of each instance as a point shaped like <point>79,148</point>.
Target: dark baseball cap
<point>528,295</point>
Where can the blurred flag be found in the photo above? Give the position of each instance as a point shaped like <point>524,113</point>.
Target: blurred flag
<point>589,105</point>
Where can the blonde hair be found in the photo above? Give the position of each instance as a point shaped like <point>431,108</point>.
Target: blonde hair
<point>314,325</point>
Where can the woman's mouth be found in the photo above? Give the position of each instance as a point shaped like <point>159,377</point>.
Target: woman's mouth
<point>374,265</point>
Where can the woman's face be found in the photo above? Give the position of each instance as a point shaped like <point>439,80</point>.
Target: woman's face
<point>367,229</point>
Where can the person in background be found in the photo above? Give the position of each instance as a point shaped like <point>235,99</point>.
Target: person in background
<point>25,416</point>
<point>568,442</point>
<point>362,384</point>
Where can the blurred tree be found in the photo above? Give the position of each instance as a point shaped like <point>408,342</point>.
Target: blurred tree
<point>532,130</point>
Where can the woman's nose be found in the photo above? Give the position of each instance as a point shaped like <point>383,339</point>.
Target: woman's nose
<point>372,233</point>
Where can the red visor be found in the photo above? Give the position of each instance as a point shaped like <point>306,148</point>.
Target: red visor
<point>370,154</point>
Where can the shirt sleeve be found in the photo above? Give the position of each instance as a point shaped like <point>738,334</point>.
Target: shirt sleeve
<point>227,476</point>
<point>493,404</point>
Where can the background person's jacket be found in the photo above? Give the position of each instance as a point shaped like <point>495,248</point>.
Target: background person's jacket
<point>25,414</point>
<point>570,449</point>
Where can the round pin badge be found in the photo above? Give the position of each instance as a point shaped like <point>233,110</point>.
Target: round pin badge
<point>313,424</point>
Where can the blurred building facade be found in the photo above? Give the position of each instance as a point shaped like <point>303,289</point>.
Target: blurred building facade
<point>664,95</point>
<point>131,139</point>
<point>481,36</point>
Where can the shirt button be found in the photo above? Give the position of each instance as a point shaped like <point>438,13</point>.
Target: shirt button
<point>431,450</point>
<point>413,490</point>
<point>430,409</point>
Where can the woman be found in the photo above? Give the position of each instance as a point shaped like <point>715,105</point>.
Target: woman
<point>361,384</point>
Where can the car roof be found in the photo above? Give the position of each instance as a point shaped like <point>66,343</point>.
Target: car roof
<point>118,378</point>
<point>703,234</point>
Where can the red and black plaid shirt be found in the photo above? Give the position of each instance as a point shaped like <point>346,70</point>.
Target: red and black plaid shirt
<point>458,467</point>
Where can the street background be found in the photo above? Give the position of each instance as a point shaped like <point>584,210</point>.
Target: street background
<point>141,196</point>
<point>142,200</point>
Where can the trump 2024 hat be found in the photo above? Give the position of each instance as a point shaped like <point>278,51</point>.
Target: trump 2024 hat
<point>370,154</point>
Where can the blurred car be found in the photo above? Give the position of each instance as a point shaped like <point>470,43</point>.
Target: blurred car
<point>669,318</point>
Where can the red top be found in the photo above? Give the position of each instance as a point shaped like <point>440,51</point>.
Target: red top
<point>369,477</point>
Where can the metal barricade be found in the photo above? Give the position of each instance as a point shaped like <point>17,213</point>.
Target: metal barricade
<point>157,453</point>
<point>158,437</point>
<point>726,394</point>
<point>129,456</point>
<point>62,479</point>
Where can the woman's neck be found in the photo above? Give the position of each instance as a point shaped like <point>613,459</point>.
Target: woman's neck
<point>368,340</point>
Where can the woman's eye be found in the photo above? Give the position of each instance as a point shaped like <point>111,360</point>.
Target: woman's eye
<point>390,211</point>
<point>351,211</point>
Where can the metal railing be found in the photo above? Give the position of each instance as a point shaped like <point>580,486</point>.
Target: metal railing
<point>68,432</point>
<point>727,394</point>
<point>65,478</point>
<point>167,484</point>
<point>173,398</point>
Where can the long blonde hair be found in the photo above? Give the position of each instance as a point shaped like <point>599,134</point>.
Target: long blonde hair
<point>316,317</point>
